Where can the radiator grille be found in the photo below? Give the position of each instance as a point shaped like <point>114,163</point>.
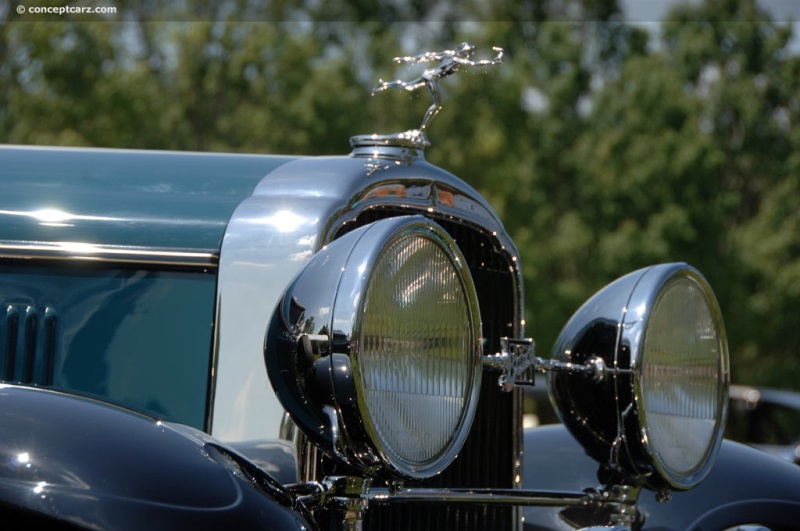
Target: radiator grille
<point>28,342</point>
<point>489,455</point>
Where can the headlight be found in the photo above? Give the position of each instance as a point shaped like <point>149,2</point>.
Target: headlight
<point>660,411</point>
<point>375,350</point>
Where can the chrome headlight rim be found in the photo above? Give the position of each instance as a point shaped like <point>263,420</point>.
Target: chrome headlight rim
<point>355,281</point>
<point>647,295</point>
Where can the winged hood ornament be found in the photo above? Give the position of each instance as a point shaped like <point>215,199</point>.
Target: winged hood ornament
<point>447,62</point>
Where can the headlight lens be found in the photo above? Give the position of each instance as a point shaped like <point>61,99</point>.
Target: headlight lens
<point>416,351</point>
<point>682,378</point>
<point>660,411</point>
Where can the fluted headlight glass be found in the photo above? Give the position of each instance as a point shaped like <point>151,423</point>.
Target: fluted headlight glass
<point>417,358</point>
<point>683,379</point>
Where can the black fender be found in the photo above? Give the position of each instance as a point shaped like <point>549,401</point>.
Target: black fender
<point>278,458</point>
<point>73,462</point>
<point>745,486</point>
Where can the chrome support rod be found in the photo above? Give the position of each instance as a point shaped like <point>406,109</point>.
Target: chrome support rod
<point>484,497</point>
<point>343,491</point>
<point>517,356</point>
<point>351,496</point>
<point>595,368</point>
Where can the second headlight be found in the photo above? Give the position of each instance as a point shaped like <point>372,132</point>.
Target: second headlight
<point>658,410</point>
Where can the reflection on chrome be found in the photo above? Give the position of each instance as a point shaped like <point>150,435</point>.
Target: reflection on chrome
<point>285,221</point>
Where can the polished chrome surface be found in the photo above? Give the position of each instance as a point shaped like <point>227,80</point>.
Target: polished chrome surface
<point>382,153</point>
<point>293,212</point>
<point>406,144</point>
<point>449,62</point>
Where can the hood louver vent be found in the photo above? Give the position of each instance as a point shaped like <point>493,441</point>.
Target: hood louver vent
<point>28,341</point>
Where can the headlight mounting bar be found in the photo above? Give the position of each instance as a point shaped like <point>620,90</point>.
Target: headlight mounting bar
<point>518,357</point>
<point>351,496</point>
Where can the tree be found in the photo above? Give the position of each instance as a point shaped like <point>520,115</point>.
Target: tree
<point>736,71</point>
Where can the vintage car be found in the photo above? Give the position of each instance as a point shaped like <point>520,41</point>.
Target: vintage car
<point>199,340</point>
<point>767,419</point>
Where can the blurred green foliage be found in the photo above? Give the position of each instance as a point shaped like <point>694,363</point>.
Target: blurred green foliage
<point>604,148</point>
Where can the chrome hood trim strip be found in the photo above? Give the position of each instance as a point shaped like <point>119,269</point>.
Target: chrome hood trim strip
<point>155,256</point>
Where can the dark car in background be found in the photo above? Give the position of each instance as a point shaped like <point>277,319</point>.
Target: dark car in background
<point>768,419</point>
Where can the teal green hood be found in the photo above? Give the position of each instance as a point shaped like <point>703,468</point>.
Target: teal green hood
<point>124,197</point>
